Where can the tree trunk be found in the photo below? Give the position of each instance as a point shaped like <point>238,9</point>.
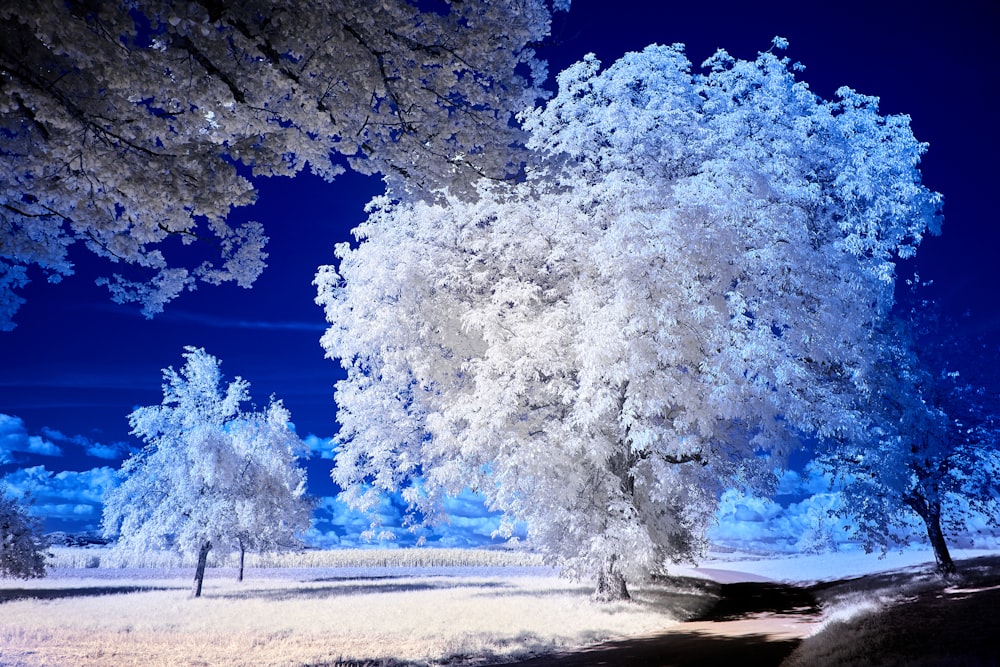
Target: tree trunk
<point>199,571</point>
<point>945,565</point>
<point>611,585</point>
<point>243,551</point>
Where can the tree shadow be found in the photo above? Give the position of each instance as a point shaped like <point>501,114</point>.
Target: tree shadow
<point>980,571</point>
<point>12,594</point>
<point>686,598</point>
<point>348,588</point>
<point>742,600</point>
<point>675,649</point>
<point>922,619</point>
<point>702,602</point>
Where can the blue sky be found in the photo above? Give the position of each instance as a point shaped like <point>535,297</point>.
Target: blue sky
<point>77,364</point>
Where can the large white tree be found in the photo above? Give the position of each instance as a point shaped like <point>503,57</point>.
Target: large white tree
<point>688,279</point>
<point>212,475</point>
<point>126,123</point>
<point>23,548</point>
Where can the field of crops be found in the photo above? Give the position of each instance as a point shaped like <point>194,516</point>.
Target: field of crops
<point>110,558</point>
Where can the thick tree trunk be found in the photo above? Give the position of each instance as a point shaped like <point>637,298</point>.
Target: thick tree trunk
<point>945,565</point>
<point>243,551</point>
<point>199,571</point>
<point>611,585</point>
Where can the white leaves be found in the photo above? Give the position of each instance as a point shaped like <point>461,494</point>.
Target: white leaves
<point>154,294</point>
<point>686,281</point>
<point>12,277</point>
<point>120,144</point>
<point>210,471</point>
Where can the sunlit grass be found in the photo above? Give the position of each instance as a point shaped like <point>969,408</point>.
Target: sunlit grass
<point>382,609</point>
<point>318,616</point>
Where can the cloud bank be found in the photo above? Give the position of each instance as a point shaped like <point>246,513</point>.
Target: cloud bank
<point>14,439</point>
<point>67,500</point>
<point>798,519</point>
<point>322,447</point>
<point>469,524</point>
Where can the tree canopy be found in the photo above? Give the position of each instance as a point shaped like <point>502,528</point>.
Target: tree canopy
<point>212,475</point>
<point>930,446</point>
<point>685,282</point>
<point>23,548</point>
<point>125,124</point>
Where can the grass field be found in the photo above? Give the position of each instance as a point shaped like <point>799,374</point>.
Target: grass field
<point>369,608</point>
<point>387,608</point>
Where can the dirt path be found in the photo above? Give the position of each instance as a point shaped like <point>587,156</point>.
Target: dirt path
<point>756,624</point>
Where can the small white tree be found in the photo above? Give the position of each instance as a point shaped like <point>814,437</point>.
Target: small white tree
<point>211,475</point>
<point>268,499</point>
<point>22,547</point>
<point>688,278</point>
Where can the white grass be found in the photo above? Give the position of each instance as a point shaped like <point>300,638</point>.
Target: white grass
<point>852,606</point>
<point>301,616</point>
<point>379,607</point>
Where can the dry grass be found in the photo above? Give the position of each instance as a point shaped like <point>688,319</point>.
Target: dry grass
<point>314,617</point>
<point>380,610</point>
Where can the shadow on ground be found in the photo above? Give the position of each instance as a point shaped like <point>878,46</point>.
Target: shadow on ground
<point>349,587</point>
<point>743,600</point>
<point>722,634</point>
<point>12,594</point>
<point>680,649</point>
<point>927,621</point>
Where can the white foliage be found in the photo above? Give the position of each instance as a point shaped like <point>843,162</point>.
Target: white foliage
<point>211,472</point>
<point>124,122</point>
<point>687,279</point>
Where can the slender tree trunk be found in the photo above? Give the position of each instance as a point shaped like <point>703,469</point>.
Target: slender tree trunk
<point>243,551</point>
<point>945,565</point>
<point>199,571</point>
<point>611,585</point>
<point>928,508</point>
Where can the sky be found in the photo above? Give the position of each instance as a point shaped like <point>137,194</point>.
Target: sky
<point>77,364</point>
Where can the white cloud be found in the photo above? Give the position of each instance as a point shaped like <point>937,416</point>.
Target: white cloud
<point>14,439</point>
<point>468,504</point>
<point>38,445</point>
<point>67,495</point>
<point>53,433</point>
<point>325,447</point>
<point>65,510</point>
<point>806,524</point>
<point>113,452</point>
<point>470,524</point>
<point>810,481</point>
